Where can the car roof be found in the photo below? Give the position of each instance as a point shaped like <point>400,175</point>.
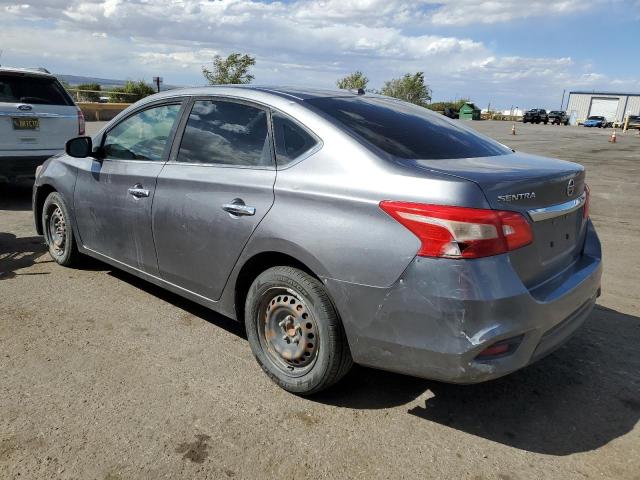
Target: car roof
<point>297,94</point>
<point>35,72</point>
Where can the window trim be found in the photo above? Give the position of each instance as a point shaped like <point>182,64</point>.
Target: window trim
<point>303,156</point>
<point>173,156</point>
<point>182,101</point>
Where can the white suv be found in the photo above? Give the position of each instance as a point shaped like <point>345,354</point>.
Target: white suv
<point>37,117</point>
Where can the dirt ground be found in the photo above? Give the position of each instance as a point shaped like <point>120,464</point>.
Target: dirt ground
<point>103,376</point>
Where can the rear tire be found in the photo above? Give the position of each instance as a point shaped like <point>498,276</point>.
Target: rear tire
<point>294,331</point>
<point>58,231</point>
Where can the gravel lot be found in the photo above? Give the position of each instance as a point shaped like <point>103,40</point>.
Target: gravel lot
<point>105,376</point>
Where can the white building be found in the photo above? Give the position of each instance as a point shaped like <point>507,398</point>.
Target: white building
<point>612,106</point>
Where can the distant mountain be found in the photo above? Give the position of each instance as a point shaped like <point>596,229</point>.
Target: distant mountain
<point>103,82</point>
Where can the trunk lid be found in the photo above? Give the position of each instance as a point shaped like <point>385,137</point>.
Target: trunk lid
<point>522,182</point>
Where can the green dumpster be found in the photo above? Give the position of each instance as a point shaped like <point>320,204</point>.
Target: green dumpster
<point>469,111</point>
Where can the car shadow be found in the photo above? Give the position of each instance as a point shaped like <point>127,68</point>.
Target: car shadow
<point>16,196</point>
<point>195,309</point>
<point>578,399</point>
<point>19,252</point>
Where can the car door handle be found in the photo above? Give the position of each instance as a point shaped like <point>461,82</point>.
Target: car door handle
<point>239,209</point>
<point>138,192</point>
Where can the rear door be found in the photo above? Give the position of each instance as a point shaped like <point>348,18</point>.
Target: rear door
<point>35,113</point>
<point>114,195</point>
<point>213,193</point>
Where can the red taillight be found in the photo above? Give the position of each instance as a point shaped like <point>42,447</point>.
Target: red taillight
<point>587,195</point>
<point>80,122</point>
<point>460,232</point>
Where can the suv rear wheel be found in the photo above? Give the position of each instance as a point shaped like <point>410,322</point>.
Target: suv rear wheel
<point>58,233</point>
<point>295,332</point>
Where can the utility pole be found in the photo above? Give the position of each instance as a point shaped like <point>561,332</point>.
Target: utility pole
<point>562,102</point>
<point>157,81</point>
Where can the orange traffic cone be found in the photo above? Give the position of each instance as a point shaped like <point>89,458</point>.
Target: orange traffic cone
<point>612,139</point>
<point>513,129</point>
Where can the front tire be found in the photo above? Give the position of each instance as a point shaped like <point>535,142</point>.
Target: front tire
<point>294,331</point>
<point>58,231</point>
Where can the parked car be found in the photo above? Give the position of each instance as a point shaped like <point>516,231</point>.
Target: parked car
<point>535,115</point>
<point>450,112</point>
<point>339,227</point>
<point>37,117</point>
<point>634,122</point>
<point>596,121</point>
<point>559,117</point>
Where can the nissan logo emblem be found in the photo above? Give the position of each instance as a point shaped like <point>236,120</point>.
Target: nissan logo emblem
<point>571,187</point>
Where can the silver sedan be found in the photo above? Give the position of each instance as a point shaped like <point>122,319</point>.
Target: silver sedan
<point>339,226</point>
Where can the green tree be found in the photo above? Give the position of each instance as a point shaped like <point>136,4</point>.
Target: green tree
<point>410,88</point>
<point>231,70</point>
<point>92,96</point>
<point>353,81</point>
<point>131,92</point>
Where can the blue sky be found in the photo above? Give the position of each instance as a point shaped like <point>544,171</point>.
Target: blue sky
<point>507,52</point>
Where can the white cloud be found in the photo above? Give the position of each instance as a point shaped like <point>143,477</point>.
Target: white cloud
<point>466,12</point>
<point>305,42</point>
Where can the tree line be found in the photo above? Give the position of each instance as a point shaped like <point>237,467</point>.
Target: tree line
<point>236,69</point>
<point>411,87</point>
<point>130,92</point>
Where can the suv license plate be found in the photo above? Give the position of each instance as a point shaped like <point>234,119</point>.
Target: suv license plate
<point>26,123</point>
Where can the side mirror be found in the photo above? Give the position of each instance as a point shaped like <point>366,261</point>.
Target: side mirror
<point>79,147</point>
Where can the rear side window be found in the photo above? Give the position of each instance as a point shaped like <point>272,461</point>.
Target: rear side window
<point>35,90</point>
<point>226,133</point>
<point>292,140</point>
<point>142,136</point>
<point>405,130</point>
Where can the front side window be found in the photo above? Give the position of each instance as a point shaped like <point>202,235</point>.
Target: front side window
<point>227,133</point>
<point>405,130</point>
<point>292,141</point>
<point>142,136</point>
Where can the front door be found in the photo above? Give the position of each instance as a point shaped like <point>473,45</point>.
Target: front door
<point>114,195</point>
<point>212,194</point>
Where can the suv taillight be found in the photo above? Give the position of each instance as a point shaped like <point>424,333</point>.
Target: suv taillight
<point>80,123</point>
<point>460,232</point>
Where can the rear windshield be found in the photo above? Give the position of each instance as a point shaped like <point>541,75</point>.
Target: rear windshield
<point>407,131</point>
<point>36,90</point>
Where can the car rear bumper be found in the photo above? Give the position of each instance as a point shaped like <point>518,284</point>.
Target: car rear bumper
<point>436,319</point>
<point>23,166</point>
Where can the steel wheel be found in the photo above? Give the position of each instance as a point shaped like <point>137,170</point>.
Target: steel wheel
<point>294,331</point>
<point>289,332</point>
<point>56,230</point>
